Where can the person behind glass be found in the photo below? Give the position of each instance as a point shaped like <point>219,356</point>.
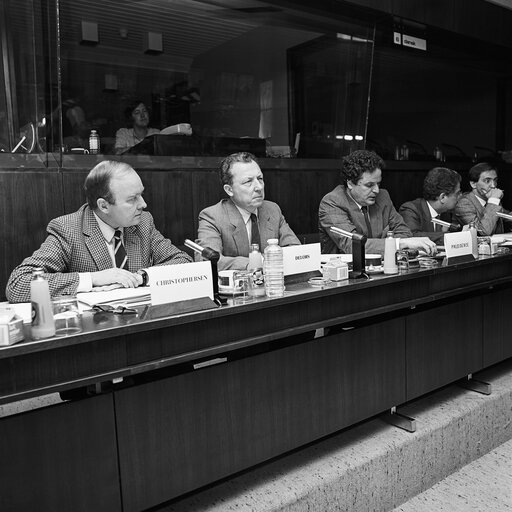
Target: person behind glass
<point>233,224</point>
<point>481,204</point>
<point>137,117</point>
<point>359,205</point>
<point>441,190</point>
<point>101,246</point>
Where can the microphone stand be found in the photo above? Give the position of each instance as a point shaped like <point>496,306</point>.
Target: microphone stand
<point>213,257</point>
<point>358,253</point>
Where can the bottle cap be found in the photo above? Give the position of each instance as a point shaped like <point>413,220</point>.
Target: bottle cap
<point>255,247</point>
<point>272,241</point>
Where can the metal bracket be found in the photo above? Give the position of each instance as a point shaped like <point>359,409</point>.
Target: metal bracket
<point>399,420</point>
<point>479,386</point>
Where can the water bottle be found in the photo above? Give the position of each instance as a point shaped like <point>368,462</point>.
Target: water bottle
<point>94,142</point>
<point>390,266</point>
<point>255,267</point>
<point>43,324</point>
<point>273,269</point>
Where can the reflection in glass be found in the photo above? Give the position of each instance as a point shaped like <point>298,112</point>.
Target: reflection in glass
<point>237,78</point>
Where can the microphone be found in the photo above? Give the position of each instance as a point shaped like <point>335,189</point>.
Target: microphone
<point>206,252</point>
<point>213,257</point>
<point>452,226</point>
<point>348,234</point>
<point>457,148</point>
<point>421,146</point>
<point>358,252</point>
<point>505,216</point>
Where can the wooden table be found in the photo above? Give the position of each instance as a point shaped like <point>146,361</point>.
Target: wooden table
<point>169,428</point>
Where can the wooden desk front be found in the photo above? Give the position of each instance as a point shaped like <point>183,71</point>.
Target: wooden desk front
<point>178,428</point>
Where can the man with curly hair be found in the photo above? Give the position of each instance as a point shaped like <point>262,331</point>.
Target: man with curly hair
<point>359,205</point>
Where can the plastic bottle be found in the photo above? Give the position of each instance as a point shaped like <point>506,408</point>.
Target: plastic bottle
<point>274,269</point>
<point>474,239</point>
<point>390,266</point>
<point>255,267</point>
<point>43,324</point>
<point>94,142</point>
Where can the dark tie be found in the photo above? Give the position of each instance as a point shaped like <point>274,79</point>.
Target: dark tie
<point>255,230</point>
<point>120,251</point>
<point>364,209</point>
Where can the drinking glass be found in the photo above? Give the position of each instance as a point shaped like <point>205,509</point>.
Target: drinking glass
<point>66,315</point>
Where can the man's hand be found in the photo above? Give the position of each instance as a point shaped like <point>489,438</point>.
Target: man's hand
<point>119,276</point>
<point>420,243</point>
<point>495,192</point>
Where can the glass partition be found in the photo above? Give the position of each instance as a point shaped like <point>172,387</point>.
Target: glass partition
<point>187,77</point>
<point>25,109</point>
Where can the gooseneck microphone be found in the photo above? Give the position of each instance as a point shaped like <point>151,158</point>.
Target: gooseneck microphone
<point>358,253</point>
<point>213,257</point>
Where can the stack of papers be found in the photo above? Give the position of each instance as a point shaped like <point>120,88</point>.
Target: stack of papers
<point>119,296</point>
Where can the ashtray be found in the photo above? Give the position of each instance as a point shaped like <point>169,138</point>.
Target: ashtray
<point>318,281</point>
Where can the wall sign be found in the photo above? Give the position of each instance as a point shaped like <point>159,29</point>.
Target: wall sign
<point>410,41</point>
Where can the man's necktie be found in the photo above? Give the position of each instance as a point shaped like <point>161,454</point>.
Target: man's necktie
<point>364,209</point>
<point>120,251</point>
<point>255,230</point>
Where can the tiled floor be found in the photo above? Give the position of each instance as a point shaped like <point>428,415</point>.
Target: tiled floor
<point>485,485</point>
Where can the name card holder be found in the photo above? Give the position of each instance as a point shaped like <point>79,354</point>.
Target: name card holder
<point>458,247</point>
<point>301,262</point>
<point>177,289</point>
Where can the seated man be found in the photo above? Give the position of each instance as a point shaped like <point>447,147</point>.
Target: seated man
<point>232,225</point>
<point>359,205</point>
<point>481,204</point>
<point>441,189</point>
<point>103,244</point>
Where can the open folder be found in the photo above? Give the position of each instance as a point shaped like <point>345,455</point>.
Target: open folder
<point>126,296</point>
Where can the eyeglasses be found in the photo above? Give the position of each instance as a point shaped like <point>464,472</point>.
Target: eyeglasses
<point>117,310</point>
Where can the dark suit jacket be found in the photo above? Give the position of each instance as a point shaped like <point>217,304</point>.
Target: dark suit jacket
<point>75,244</point>
<point>416,215</point>
<point>338,209</point>
<point>222,228</point>
<point>469,209</point>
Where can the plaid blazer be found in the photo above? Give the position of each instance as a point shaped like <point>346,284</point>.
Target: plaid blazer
<point>338,209</point>
<point>75,244</point>
<point>469,208</point>
<point>222,228</point>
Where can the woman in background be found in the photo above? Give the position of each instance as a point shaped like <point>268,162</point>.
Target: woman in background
<point>138,117</point>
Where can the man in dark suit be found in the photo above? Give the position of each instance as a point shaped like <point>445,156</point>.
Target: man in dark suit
<point>441,190</point>
<point>79,253</point>
<point>232,224</point>
<point>481,204</point>
<point>359,205</point>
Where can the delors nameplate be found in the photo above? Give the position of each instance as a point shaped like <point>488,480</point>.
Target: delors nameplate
<point>301,258</point>
<point>173,283</point>
<point>458,244</point>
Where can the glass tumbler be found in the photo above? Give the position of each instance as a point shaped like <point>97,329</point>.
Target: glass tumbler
<point>241,287</point>
<point>66,314</point>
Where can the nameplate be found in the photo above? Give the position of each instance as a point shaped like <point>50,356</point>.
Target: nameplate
<point>298,259</point>
<point>458,246</point>
<point>173,283</point>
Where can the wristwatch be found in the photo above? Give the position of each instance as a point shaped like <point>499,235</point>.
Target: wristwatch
<point>145,277</point>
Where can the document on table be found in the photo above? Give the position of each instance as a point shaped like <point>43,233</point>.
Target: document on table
<point>126,296</point>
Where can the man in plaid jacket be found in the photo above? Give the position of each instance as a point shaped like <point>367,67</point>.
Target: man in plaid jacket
<point>78,254</point>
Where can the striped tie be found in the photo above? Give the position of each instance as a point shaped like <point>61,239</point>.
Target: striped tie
<point>120,251</point>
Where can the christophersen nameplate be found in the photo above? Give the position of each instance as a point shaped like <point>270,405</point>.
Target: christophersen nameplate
<point>173,283</point>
